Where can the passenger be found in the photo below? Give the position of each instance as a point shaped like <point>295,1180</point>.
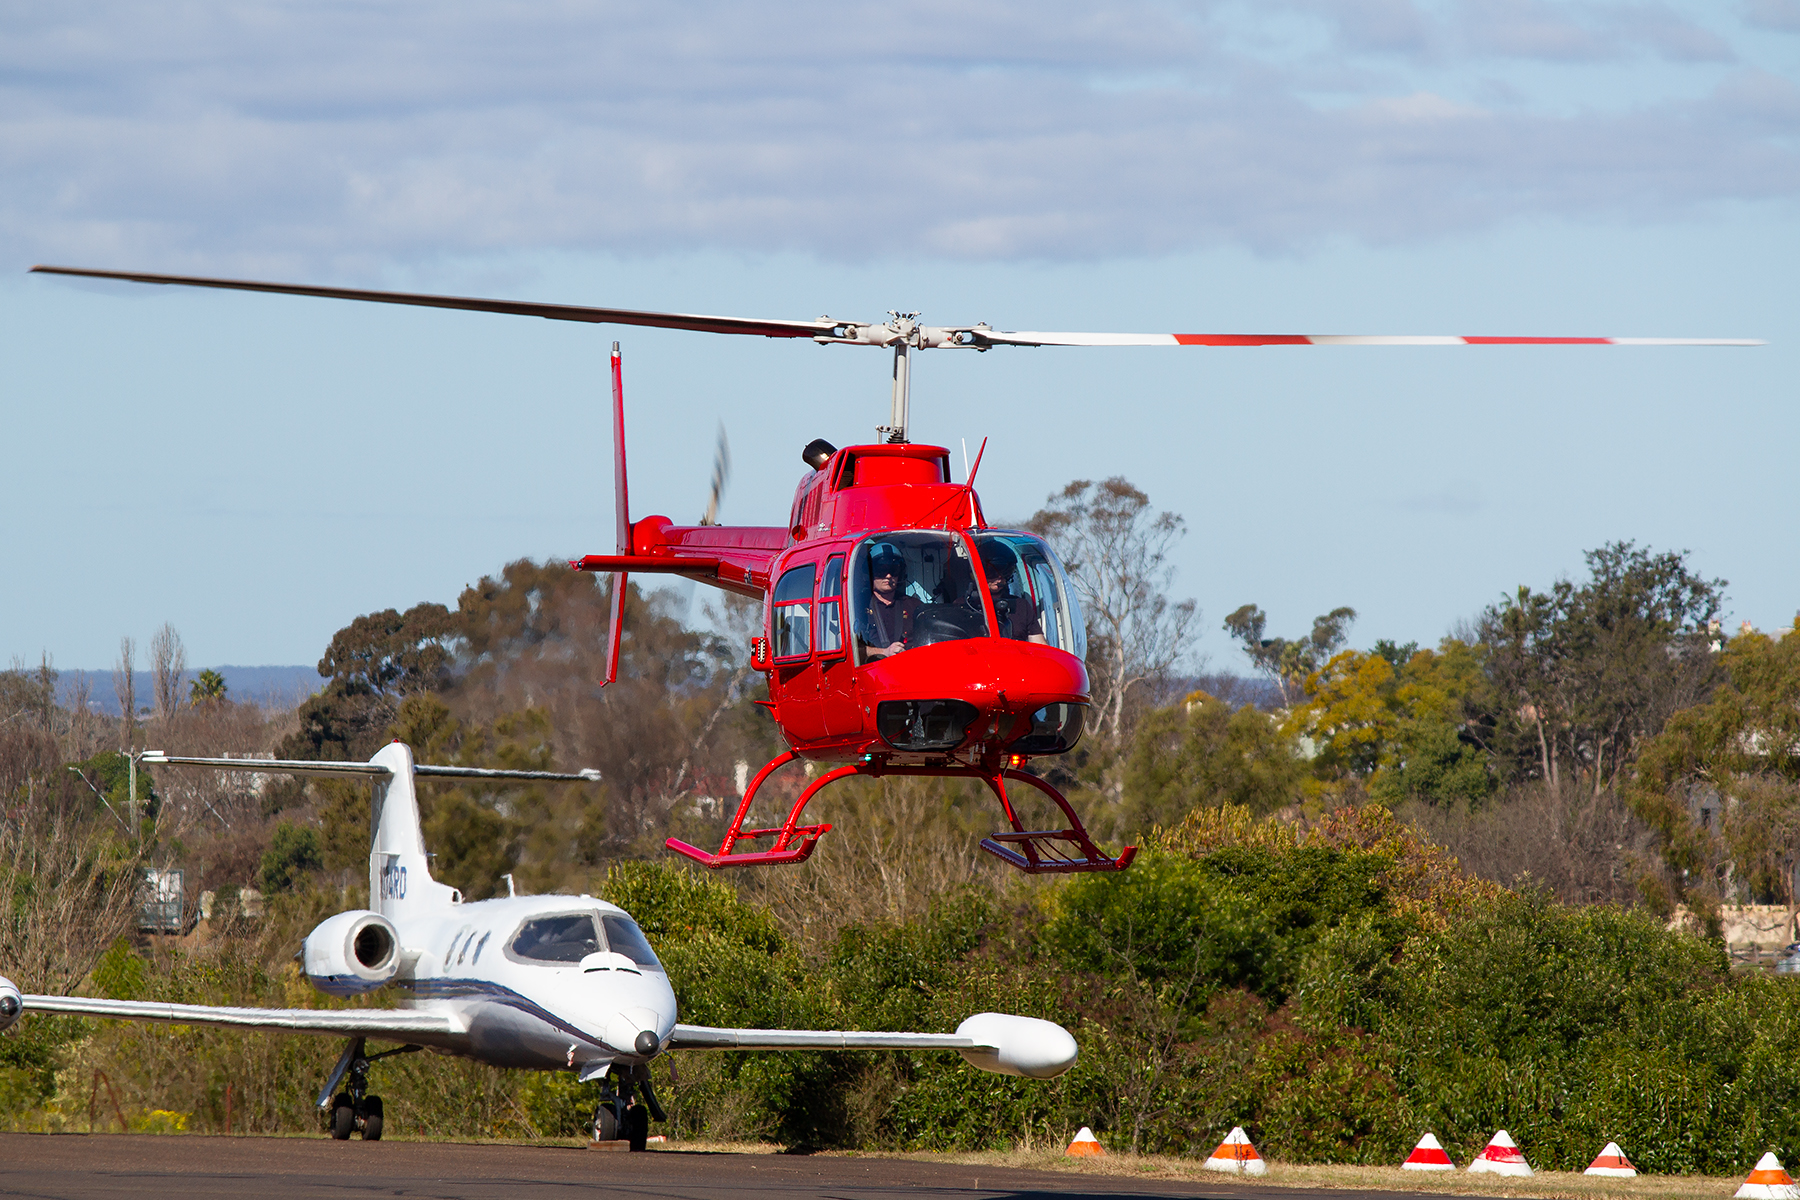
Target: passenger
<point>1017,615</point>
<point>885,625</point>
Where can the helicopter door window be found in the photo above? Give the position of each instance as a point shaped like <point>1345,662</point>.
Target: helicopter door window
<point>912,589</point>
<point>790,614</point>
<point>1032,599</point>
<point>831,607</point>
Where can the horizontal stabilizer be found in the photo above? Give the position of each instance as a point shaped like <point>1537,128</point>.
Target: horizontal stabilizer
<point>285,766</point>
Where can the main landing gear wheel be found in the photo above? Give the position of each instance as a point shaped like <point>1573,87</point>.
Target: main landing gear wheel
<point>343,1117</point>
<point>606,1123</point>
<point>371,1119</point>
<point>354,1109</point>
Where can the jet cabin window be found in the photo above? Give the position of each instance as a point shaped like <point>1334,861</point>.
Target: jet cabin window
<point>913,589</point>
<point>790,613</point>
<point>564,939</point>
<point>1032,597</point>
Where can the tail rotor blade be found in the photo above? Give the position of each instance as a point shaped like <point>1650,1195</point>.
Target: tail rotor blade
<point>721,474</point>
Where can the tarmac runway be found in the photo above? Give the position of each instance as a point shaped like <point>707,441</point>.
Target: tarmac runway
<point>109,1166</point>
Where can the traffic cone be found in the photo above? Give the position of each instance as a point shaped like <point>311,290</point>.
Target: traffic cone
<point>1611,1161</point>
<point>1236,1155</point>
<point>1769,1182</point>
<point>1085,1145</point>
<point>1428,1155</point>
<point>1501,1157</point>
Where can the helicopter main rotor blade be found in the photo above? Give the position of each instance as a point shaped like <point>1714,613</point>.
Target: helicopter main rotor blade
<point>824,327</point>
<point>983,338</point>
<point>898,333</point>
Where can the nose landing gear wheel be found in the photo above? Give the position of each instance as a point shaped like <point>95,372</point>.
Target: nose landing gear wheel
<point>635,1128</point>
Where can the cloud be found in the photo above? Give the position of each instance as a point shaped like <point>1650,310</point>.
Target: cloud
<point>340,137</point>
<point>1783,16</point>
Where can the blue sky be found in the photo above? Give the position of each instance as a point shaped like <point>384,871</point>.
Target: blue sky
<point>259,470</point>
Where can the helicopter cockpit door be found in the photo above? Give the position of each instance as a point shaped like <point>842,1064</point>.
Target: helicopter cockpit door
<point>841,713</point>
<point>797,668</point>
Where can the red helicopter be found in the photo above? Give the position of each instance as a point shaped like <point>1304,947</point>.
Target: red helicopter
<point>902,635</point>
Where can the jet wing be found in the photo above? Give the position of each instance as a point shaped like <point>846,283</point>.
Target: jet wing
<point>705,1037</point>
<point>998,1042</point>
<point>388,1024</point>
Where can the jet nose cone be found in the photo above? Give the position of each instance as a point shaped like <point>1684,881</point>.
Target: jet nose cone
<point>637,1031</point>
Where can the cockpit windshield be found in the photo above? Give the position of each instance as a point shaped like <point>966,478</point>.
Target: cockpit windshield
<point>624,937</point>
<point>912,589</point>
<point>561,939</point>
<point>1032,597</point>
<point>570,937</point>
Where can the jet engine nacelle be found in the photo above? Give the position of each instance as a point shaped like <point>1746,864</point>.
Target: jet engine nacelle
<point>352,953</point>
<point>11,1002</point>
<point>1020,1045</point>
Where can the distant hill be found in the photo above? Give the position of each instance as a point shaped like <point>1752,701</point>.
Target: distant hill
<point>285,686</point>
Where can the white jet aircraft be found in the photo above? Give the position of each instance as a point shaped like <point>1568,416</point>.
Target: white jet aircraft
<point>551,983</point>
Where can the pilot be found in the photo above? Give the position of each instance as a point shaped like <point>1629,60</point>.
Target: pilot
<point>1018,615</point>
<point>886,624</point>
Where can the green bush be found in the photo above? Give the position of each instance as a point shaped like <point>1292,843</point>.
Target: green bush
<point>293,852</point>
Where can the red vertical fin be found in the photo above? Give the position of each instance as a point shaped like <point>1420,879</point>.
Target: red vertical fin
<point>622,510</point>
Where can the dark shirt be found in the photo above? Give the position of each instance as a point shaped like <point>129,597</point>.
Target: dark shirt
<point>881,625</point>
<point>1018,615</point>
<point>1018,618</point>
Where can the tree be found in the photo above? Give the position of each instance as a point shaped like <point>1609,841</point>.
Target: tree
<point>168,663</point>
<point>1288,663</point>
<point>292,852</point>
<point>1117,552</point>
<point>393,654</point>
<point>373,664</point>
<point>208,687</point>
<point>1720,784</point>
<point>124,679</point>
<point>1586,673</point>
<point>1204,753</point>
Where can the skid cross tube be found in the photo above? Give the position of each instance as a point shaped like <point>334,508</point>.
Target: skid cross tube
<point>1034,851</point>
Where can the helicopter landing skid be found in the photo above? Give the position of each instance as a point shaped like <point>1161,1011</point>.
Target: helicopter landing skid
<point>1035,852</point>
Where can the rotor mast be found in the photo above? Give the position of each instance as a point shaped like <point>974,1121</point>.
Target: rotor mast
<point>905,326</point>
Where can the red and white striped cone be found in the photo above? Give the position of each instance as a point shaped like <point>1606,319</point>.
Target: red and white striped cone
<point>1611,1161</point>
<point>1769,1182</point>
<point>1085,1145</point>
<point>1501,1157</point>
<point>1428,1155</point>
<point>1237,1156</point>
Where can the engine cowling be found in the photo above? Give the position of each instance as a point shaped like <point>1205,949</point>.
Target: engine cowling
<point>351,953</point>
<point>12,1003</point>
<point>1020,1045</point>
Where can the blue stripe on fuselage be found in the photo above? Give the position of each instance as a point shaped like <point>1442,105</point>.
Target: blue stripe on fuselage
<point>486,989</point>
